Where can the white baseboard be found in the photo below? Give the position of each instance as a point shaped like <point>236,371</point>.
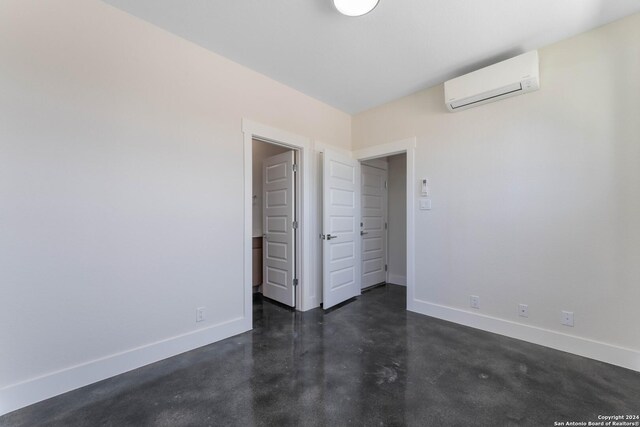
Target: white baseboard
<point>34,390</point>
<point>397,279</point>
<point>620,356</point>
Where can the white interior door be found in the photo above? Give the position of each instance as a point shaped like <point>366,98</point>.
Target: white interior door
<point>278,249</point>
<point>373,226</point>
<point>341,269</point>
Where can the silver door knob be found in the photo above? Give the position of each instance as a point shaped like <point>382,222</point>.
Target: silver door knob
<point>329,237</point>
<point>362,233</point>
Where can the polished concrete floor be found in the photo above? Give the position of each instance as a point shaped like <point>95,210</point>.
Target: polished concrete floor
<point>368,362</point>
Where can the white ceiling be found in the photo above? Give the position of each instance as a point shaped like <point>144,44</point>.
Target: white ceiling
<point>358,63</point>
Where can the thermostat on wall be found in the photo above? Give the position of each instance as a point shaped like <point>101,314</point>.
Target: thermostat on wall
<point>425,186</point>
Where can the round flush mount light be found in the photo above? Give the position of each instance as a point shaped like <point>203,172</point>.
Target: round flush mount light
<point>355,7</point>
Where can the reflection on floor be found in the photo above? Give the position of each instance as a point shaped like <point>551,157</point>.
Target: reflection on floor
<point>369,362</point>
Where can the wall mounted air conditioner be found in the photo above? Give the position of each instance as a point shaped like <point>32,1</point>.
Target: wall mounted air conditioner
<point>512,77</point>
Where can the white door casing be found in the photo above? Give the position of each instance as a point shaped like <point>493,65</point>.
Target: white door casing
<point>373,225</point>
<point>278,254</point>
<point>340,219</point>
<point>407,146</point>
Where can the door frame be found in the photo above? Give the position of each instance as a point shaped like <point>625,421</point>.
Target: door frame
<point>303,145</point>
<point>407,146</point>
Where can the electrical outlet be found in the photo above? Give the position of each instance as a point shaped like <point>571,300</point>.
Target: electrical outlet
<point>199,314</point>
<point>523,310</point>
<point>567,318</point>
<point>475,302</point>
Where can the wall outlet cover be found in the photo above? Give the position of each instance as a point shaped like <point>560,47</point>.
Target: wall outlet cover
<point>475,302</point>
<point>200,314</point>
<point>523,310</point>
<point>567,318</point>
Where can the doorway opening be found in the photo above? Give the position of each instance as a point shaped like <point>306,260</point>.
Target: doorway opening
<point>274,222</point>
<point>304,295</point>
<point>354,255</point>
<point>383,223</point>
<point>400,159</point>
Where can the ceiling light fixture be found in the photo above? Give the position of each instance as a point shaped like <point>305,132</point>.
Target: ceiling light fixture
<point>355,7</point>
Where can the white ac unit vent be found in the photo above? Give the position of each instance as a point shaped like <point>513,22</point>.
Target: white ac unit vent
<point>508,78</point>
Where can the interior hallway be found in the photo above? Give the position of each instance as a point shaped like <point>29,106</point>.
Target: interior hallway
<point>368,362</point>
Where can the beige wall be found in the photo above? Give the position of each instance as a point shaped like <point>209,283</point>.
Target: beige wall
<point>536,199</point>
<point>121,189</point>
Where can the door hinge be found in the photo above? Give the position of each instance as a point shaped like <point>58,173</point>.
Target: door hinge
<point>295,225</point>
<point>295,282</point>
<point>385,267</point>
<point>385,184</point>
<point>295,167</point>
<point>385,225</point>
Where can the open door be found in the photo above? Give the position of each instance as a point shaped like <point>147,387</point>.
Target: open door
<point>373,227</point>
<point>278,254</point>
<point>340,247</point>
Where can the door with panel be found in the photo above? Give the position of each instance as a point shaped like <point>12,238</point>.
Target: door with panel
<point>340,217</point>
<point>373,229</point>
<point>278,249</point>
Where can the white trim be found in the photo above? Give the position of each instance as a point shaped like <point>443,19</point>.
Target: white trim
<point>397,279</point>
<point>384,150</point>
<point>597,350</point>
<point>34,390</point>
<point>407,146</point>
<point>304,295</point>
<point>356,236</point>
